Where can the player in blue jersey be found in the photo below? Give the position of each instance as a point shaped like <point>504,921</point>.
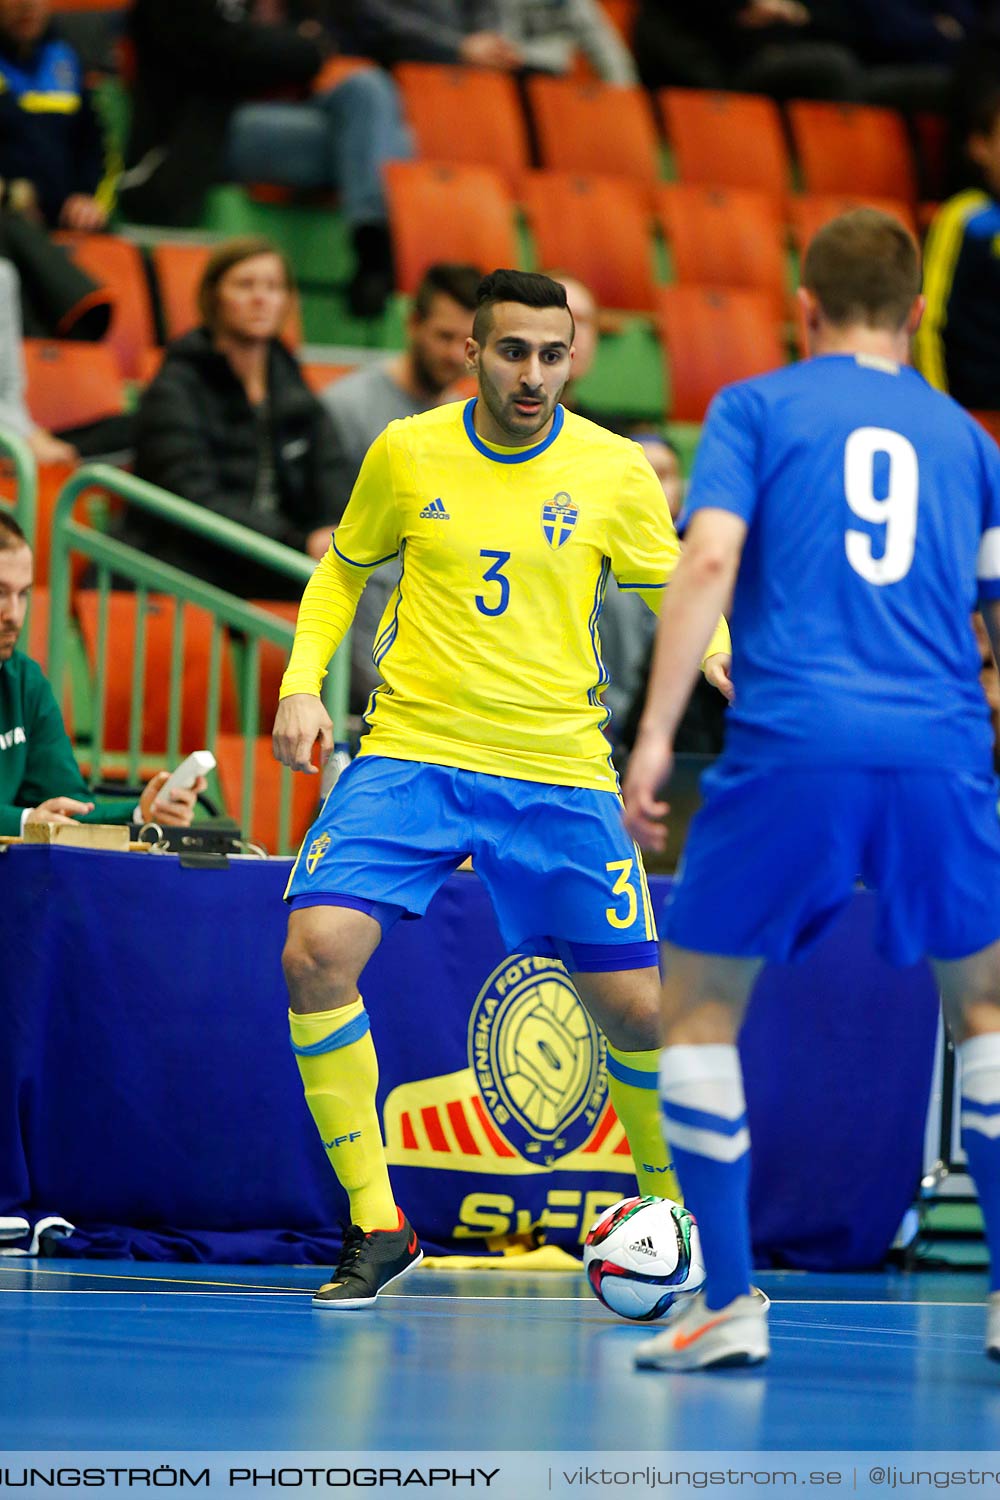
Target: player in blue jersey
<point>854,514</point>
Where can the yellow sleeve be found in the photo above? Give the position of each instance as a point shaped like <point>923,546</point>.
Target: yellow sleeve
<point>367,536</point>
<point>325,614</point>
<point>642,540</point>
<point>941,254</point>
<point>721,640</point>
<point>643,545</point>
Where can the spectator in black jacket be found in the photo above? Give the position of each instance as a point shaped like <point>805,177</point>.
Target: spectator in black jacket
<point>203,71</point>
<point>230,424</point>
<point>51,144</point>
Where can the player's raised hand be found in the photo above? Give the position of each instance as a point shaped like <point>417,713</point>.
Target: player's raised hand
<point>649,766</point>
<point>717,669</point>
<point>301,720</point>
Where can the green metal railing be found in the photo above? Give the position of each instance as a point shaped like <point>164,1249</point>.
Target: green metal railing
<point>25,501</point>
<point>230,614</point>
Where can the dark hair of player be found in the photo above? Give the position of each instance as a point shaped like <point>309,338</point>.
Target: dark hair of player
<point>234,253</point>
<point>863,267</point>
<point>447,279</point>
<point>529,288</point>
<point>11,535</point>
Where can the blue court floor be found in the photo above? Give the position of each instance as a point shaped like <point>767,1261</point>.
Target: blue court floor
<point>102,1355</point>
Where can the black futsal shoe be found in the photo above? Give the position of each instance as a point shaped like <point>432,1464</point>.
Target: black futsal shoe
<point>368,1262</point>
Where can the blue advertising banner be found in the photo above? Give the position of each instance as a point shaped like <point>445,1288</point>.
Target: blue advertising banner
<point>149,1096</point>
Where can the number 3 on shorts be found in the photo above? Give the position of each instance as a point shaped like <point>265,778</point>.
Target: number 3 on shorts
<point>622,887</point>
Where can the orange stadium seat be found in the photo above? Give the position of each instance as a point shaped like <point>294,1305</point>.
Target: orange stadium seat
<point>622,15</point>
<point>852,148</point>
<point>122,609</point>
<point>466,116</point>
<point>725,237</point>
<point>713,336</point>
<point>267,790</point>
<point>70,384</point>
<point>594,127</point>
<point>117,263</point>
<point>812,210</point>
<point>178,270</point>
<point>51,479</point>
<point>726,140</point>
<point>443,212</point>
<point>594,228</point>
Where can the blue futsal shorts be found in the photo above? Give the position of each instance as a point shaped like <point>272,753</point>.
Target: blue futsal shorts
<point>564,877</point>
<point>773,856</point>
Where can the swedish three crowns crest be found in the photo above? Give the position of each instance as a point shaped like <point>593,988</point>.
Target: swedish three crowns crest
<point>317,849</point>
<point>559,516</point>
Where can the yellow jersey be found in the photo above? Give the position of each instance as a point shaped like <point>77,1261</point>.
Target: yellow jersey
<point>490,647</point>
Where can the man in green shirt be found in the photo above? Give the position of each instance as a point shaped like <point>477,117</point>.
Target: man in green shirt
<point>39,777</point>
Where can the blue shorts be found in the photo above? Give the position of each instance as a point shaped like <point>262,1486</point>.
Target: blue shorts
<point>773,856</point>
<point>564,877</point>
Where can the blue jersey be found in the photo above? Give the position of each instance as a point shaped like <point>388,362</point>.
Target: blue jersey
<point>873,511</point>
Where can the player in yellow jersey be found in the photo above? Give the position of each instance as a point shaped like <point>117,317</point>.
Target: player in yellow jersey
<point>508,514</point>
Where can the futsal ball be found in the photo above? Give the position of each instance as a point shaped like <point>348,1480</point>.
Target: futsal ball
<point>642,1254</point>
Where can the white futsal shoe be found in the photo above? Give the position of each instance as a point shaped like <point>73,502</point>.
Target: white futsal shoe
<point>697,1337</point>
<point>993,1325</point>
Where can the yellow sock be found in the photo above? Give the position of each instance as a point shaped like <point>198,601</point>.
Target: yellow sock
<point>336,1057</point>
<point>633,1079</point>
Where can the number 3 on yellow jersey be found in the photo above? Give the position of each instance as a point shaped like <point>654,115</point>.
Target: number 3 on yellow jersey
<point>622,887</point>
